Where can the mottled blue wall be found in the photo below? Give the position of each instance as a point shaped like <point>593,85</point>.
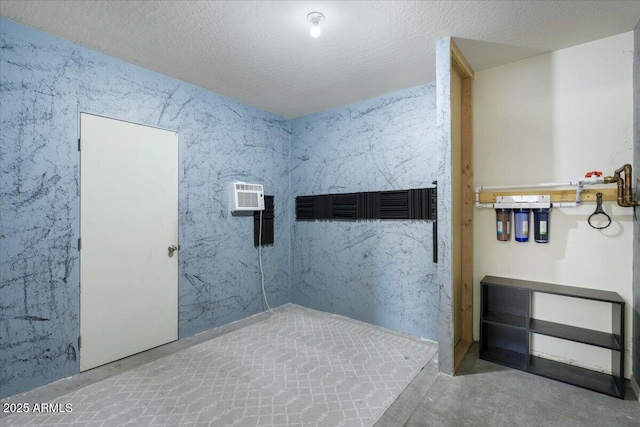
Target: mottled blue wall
<point>45,82</point>
<point>445,234</point>
<point>636,224</point>
<point>376,271</point>
<point>379,272</point>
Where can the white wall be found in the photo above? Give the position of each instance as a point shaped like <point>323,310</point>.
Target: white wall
<point>547,119</point>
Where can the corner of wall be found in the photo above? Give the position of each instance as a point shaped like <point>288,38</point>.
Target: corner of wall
<point>443,141</point>
<point>289,217</point>
<point>636,225</point>
<point>563,116</point>
<point>635,387</point>
<point>39,255</point>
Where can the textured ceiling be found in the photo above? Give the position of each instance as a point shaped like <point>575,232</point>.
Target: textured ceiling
<point>260,52</point>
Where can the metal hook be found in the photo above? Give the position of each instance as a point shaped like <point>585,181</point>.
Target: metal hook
<point>599,211</point>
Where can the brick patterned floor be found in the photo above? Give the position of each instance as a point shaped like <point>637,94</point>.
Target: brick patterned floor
<point>298,368</point>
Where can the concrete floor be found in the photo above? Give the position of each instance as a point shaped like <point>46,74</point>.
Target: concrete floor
<point>481,394</point>
<point>486,394</point>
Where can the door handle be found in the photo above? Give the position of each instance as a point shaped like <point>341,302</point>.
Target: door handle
<point>172,249</point>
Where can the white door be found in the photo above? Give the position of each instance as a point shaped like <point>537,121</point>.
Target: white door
<point>128,221</point>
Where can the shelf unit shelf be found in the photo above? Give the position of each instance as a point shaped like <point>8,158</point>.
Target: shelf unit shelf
<point>573,333</point>
<point>506,319</point>
<point>574,375</point>
<point>506,357</point>
<point>506,326</point>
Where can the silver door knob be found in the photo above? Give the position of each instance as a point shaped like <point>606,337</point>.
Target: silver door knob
<point>172,249</point>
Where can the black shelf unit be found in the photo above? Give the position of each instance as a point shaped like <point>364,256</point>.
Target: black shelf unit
<point>506,326</point>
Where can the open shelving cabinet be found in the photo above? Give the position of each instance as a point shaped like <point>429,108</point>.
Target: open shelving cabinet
<point>506,325</point>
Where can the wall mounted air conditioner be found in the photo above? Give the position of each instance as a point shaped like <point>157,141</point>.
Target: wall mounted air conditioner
<point>246,197</point>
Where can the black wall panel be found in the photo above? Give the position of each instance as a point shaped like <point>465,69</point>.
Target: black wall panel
<point>267,223</point>
<point>416,204</point>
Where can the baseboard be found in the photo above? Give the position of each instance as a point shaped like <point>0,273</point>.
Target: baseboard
<point>635,387</point>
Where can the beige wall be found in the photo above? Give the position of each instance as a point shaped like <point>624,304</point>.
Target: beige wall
<point>547,119</point>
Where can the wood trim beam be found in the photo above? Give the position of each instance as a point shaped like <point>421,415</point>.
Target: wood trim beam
<point>468,199</point>
<point>459,63</point>
<point>569,195</point>
<point>459,352</point>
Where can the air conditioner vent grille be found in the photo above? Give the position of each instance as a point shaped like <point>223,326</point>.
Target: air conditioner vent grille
<point>248,187</point>
<point>246,197</point>
<point>247,200</point>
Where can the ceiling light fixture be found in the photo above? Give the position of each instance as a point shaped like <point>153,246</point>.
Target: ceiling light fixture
<point>315,18</point>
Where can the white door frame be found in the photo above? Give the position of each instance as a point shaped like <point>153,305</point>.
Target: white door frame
<point>127,278</point>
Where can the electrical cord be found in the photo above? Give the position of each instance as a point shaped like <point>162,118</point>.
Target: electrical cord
<point>264,294</point>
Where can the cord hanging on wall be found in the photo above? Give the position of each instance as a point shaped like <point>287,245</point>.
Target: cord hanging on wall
<point>263,234</point>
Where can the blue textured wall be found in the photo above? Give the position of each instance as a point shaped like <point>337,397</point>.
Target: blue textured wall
<point>376,271</point>
<point>45,82</point>
<point>445,234</point>
<point>380,272</point>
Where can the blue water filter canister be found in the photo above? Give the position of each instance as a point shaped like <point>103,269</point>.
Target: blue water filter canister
<point>541,225</point>
<point>521,220</point>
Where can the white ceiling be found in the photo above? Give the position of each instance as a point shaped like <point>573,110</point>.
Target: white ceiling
<point>260,52</point>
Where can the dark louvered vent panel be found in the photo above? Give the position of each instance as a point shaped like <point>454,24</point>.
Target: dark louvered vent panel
<point>422,203</point>
<point>368,205</point>
<point>394,204</point>
<point>268,219</point>
<point>433,197</point>
<point>417,204</point>
<point>322,206</point>
<point>343,206</point>
<point>304,208</point>
<point>414,204</point>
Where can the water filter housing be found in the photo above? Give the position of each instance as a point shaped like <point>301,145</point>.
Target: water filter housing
<point>245,197</point>
<point>541,225</point>
<point>503,224</point>
<point>521,219</point>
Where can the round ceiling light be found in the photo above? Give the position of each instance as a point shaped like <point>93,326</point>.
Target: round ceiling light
<point>315,18</point>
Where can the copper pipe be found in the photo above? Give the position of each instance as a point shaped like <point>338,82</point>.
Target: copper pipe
<point>625,186</point>
<point>628,176</point>
<point>616,179</point>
